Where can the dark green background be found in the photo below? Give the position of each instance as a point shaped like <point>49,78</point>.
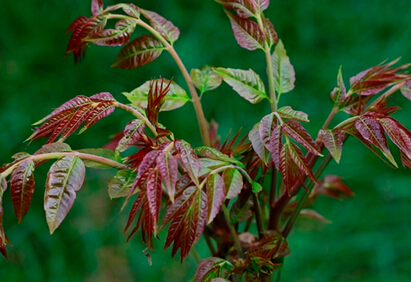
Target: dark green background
<point>369,239</point>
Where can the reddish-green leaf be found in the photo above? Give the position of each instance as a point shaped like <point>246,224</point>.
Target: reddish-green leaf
<point>233,182</point>
<point>312,214</point>
<point>96,7</point>
<point>215,155</point>
<point>167,166</point>
<point>119,186</point>
<point>406,90</point>
<point>99,111</point>
<point>406,161</point>
<point>179,206</point>
<point>131,10</point>
<point>333,141</point>
<point>175,98</point>
<point>242,209</point>
<point>398,134</point>
<point>247,84</point>
<point>267,126</point>
<point>287,112</point>
<point>372,131</point>
<point>339,92</point>
<point>138,52</point>
<point>22,187</point>
<point>205,79</point>
<point>247,32</point>
<point>283,71</point>
<point>113,37</point>
<point>258,145</point>
<point>270,35</point>
<point>154,192</point>
<point>332,186</point>
<point>261,5</point>
<point>100,152</point>
<point>215,195</point>
<point>53,147</point>
<point>162,26</point>
<point>276,145</point>
<point>132,133</point>
<point>212,267</point>
<point>188,159</point>
<point>297,132</point>
<point>244,8</point>
<point>64,178</point>
<point>3,238</point>
<point>144,169</point>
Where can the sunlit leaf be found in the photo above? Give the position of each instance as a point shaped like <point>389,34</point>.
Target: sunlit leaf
<point>176,96</point>
<point>233,182</point>
<point>22,187</point>
<point>212,267</point>
<point>247,32</point>
<point>283,71</point>
<point>287,112</point>
<point>247,84</point>
<point>188,159</point>
<point>297,132</point>
<point>258,145</point>
<point>215,195</point>
<point>64,178</point>
<point>119,186</point>
<point>167,166</point>
<point>333,141</point>
<point>372,131</point>
<point>138,52</point>
<point>205,79</point>
<point>161,25</point>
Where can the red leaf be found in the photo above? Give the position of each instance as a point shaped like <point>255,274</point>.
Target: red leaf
<point>244,8</point>
<point>333,141</point>
<point>270,34</point>
<point>74,103</point>
<point>212,267</point>
<point>99,111</point>
<point>75,121</point>
<point>131,10</point>
<point>398,134</point>
<point>167,166</point>
<point>215,195</point>
<point>180,205</point>
<point>406,161</point>
<point>258,145</point>
<point>22,187</point>
<point>3,238</point>
<point>162,26</point>
<point>332,186</point>
<point>113,37</point>
<point>276,145</point>
<point>188,159</point>
<point>102,96</point>
<point>154,192</point>
<point>373,132</point>
<point>247,33</point>
<point>132,134</point>
<point>267,126</point>
<point>96,7</point>
<point>148,163</point>
<point>296,131</point>
<point>138,52</point>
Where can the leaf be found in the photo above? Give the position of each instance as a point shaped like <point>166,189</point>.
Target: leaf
<point>244,8</point>
<point>212,267</point>
<point>333,141</point>
<point>242,209</point>
<point>96,7</point>
<point>147,164</point>
<point>312,214</point>
<point>64,178</point>
<point>161,25</point>
<point>139,52</point>
<point>297,132</point>
<point>406,90</point>
<point>3,238</point>
<point>113,37</point>
<point>233,183</point>
<point>339,93</point>
<point>132,133</point>
<point>270,35</point>
<point>176,96</point>
<point>372,131</point>
<point>167,166</point>
<point>101,152</point>
<point>119,186</point>
<point>154,193</point>
<point>332,186</point>
<point>247,84</point>
<point>22,187</point>
<point>258,145</point>
<point>247,32</point>
<point>215,195</point>
<point>287,112</point>
<point>205,79</point>
<point>398,134</point>
<point>256,187</point>
<point>283,71</point>
<point>261,4</point>
<point>276,144</point>
<point>52,148</point>
<point>215,155</point>
<point>131,10</point>
<point>267,125</point>
<point>188,159</point>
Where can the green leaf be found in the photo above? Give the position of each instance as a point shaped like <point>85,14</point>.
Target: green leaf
<point>215,154</point>
<point>333,141</point>
<point>287,112</point>
<point>175,98</point>
<point>247,84</point>
<point>119,186</point>
<point>205,79</point>
<point>52,148</point>
<point>256,187</point>
<point>22,187</point>
<point>139,52</point>
<point>283,71</point>
<point>233,182</point>
<point>101,152</point>
<point>338,95</point>
<point>215,195</point>
<point>64,178</point>
<point>161,25</point>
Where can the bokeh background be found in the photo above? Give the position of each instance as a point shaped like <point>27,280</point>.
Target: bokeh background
<point>370,235</point>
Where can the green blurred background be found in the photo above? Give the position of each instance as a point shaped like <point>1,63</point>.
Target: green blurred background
<point>370,237</point>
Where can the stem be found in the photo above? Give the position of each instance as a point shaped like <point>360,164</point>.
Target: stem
<point>209,244</point>
<point>272,199</point>
<point>304,197</point>
<point>137,114</point>
<point>271,87</point>
<point>330,117</point>
<point>232,231</point>
<point>258,216</point>
<point>387,94</point>
<point>202,122</point>
<point>195,254</point>
<point>56,155</point>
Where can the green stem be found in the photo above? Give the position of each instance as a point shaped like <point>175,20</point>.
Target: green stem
<point>210,244</point>
<point>232,231</point>
<point>202,122</point>
<point>195,254</point>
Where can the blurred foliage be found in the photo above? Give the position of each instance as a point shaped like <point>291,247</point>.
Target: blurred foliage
<point>369,237</point>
